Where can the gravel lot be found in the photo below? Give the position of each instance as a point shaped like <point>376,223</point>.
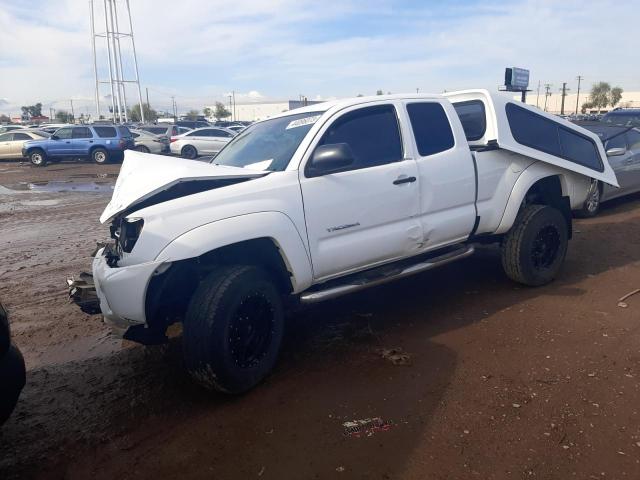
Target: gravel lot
<point>501,382</point>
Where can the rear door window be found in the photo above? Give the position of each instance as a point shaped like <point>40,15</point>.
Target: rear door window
<point>21,136</point>
<point>372,133</point>
<point>82,132</point>
<point>6,137</point>
<point>431,127</point>
<point>221,133</point>
<point>105,132</point>
<point>63,133</point>
<point>473,118</point>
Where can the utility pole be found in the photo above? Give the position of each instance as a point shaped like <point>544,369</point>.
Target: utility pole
<point>175,113</point>
<point>564,94</point>
<point>579,78</point>
<point>233,92</point>
<point>538,96</point>
<point>418,90</point>
<point>73,113</point>
<point>230,107</point>
<point>547,94</point>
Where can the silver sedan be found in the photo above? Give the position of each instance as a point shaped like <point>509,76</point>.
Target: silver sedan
<point>148,142</point>
<point>201,141</point>
<point>622,145</point>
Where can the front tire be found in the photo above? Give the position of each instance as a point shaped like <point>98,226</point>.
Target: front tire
<point>189,151</point>
<point>233,329</point>
<point>591,206</point>
<point>100,156</point>
<point>38,158</point>
<point>534,249</point>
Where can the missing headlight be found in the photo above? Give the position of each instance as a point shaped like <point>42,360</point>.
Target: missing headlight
<point>128,233</point>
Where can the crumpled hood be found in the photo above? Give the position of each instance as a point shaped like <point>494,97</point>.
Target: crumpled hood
<point>143,175</point>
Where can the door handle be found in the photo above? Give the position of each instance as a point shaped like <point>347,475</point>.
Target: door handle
<point>400,181</point>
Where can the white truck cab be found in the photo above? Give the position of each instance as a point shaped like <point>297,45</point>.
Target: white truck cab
<point>329,199</point>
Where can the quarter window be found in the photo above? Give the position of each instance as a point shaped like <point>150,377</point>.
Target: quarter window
<point>21,136</point>
<point>473,118</point>
<point>431,128</point>
<point>579,149</point>
<point>372,134</point>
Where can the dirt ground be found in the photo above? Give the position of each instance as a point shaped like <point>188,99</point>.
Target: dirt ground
<point>502,381</point>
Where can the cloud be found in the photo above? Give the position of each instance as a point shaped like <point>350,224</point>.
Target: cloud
<point>198,51</point>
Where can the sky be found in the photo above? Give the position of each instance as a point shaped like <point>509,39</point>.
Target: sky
<point>200,50</point>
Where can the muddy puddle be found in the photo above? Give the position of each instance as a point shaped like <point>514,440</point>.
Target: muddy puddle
<point>58,186</point>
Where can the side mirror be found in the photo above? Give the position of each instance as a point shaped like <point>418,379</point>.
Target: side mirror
<point>330,158</point>
<point>616,152</point>
<point>54,137</point>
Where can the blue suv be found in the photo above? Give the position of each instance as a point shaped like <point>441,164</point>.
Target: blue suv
<point>100,143</point>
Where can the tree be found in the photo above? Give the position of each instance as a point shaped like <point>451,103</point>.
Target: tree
<point>379,92</point>
<point>193,114</point>
<point>150,115</point>
<point>359,95</point>
<point>4,118</point>
<point>207,112</point>
<point>615,96</point>
<point>221,111</point>
<point>32,110</point>
<point>602,95</point>
<point>64,117</point>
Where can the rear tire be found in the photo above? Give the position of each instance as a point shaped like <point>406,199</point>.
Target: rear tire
<point>233,329</point>
<point>12,379</point>
<point>534,249</point>
<point>189,151</point>
<point>38,158</point>
<point>100,156</point>
<point>142,148</point>
<point>591,206</point>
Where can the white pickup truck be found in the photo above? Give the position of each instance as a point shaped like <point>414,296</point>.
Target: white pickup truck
<point>329,199</point>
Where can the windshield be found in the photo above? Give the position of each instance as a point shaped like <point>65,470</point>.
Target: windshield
<point>626,119</point>
<point>267,145</point>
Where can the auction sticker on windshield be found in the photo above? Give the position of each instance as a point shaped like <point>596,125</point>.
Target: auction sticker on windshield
<point>301,122</point>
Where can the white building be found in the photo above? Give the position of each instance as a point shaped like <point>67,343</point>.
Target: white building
<point>254,111</point>
<point>554,101</point>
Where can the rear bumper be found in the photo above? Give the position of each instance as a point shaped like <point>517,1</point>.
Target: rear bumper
<point>122,291</point>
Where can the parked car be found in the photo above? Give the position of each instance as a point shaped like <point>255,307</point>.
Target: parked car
<point>236,128</point>
<point>628,117</point>
<point>201,141</point>
<point>11,143</point>
<point>12,369</point>
<point>148,142</point>
<point>622,145</point>
<point>100,143</point>
<point>10,128</point>
<point>327,200</point>
<point>192,124</point>
<point>164,129</point>
<point>52,127</point>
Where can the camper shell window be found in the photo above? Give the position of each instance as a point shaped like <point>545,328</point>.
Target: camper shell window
<point>540,133</point>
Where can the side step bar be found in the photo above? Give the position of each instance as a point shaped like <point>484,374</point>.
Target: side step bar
<point>384,275</point>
